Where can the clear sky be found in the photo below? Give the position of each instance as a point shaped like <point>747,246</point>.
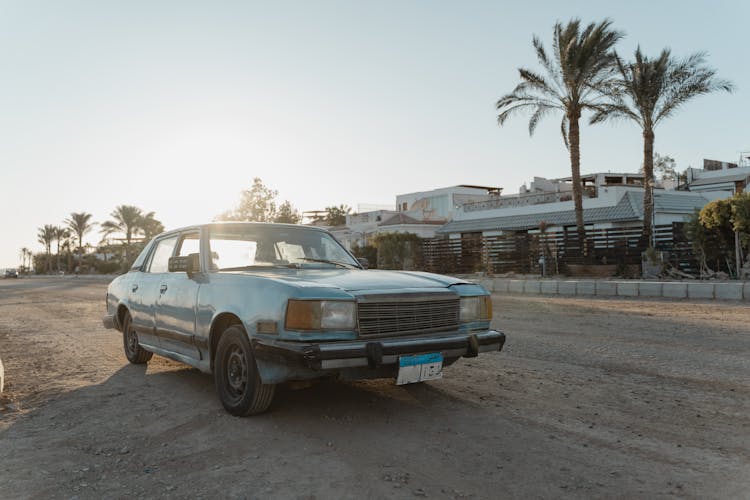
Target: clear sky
<point>175,106</point>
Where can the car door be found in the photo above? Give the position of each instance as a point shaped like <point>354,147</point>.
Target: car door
<point>143,290</point>
<point>176,303</point>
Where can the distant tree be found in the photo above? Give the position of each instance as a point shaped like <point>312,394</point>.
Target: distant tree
<point>24,253</point>
<point>575,76</point>
<point>717,215</point>
<point>149,226</point>
<point>45,236</point>
<point>257,204</point>
<point>80,224</point>
<point>701,240</point>
<point>288,214</point>
<point>125,220</point>
<point>368,252</point>
<point>650,90</point>
<point>336,216</point>
<point>665,168</point>
<point>61,234</point>
<point>716,229</point>
<point>741,213</point>
<point>398,251</point>
<point>68,245</point>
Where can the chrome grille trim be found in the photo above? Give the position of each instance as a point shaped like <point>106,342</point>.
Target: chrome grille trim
<point>406,317</point>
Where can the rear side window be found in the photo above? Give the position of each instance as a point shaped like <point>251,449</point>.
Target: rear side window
<point>163,251</point>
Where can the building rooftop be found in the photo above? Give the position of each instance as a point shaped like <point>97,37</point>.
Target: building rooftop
<point>628,208</point>
<point>719,179</point>
<point>402,218</point>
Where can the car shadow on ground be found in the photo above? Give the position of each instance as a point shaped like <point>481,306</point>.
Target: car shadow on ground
<point>161,417</point>
<point>162,425</point>
<point>180,390</point>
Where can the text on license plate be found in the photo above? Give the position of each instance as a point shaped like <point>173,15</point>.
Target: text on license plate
<point>419,367</point>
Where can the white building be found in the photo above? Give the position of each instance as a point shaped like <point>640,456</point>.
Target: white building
<point>614,206</point>
<point>719,176</point>
<point>360,229</point>
<point>440,204</point>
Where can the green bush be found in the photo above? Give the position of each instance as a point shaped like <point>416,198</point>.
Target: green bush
<point>402,251</point>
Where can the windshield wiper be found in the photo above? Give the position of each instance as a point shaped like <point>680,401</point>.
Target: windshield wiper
<point>257,266</point>
<point>326,261</point>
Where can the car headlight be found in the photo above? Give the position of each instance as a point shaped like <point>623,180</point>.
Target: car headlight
<point>476,309</point>
<point>320,315</point>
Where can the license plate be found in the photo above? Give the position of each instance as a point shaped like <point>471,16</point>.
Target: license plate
<point>419,368</point>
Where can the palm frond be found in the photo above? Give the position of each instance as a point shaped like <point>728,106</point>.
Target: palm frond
<point>540,112</point>
<point>576,73</point>
<point>564,131</point>
<point>685,80</point>
<point>536,82</point>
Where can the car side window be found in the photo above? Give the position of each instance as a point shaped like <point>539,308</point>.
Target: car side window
<point>191,243</point>
<point>163,251</point>
<point>138,264</point>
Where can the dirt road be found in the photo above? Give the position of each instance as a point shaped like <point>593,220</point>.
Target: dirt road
<point>590,398</point>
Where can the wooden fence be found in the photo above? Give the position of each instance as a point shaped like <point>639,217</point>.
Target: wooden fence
<point>521,253</point>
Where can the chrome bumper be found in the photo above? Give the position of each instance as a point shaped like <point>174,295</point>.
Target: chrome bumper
<point>377,352</point>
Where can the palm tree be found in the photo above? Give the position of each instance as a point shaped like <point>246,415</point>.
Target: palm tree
<point>60,235</point>
<point>650,90</point>
<point>126,220</point>
<point>80,223</point>
<point>45,236</point>
<point>22,253</point>
<point>576,75</point>
<point>149,226</point>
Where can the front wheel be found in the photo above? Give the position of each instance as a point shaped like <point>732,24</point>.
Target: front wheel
<point>236,375</point>
<point>133,350</point>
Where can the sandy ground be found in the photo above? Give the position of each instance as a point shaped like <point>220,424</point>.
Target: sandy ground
<point>590,398</point>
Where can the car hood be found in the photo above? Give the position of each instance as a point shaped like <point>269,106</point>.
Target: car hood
<point>353,280</point>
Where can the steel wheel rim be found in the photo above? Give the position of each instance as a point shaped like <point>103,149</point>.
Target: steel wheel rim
<point>131,340</point>
<point>236,371</point>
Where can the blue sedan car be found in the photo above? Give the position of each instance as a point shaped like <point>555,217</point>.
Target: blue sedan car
<point>260,304</point>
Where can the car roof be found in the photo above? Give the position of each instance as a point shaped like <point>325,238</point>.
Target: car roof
<point>278,225</point>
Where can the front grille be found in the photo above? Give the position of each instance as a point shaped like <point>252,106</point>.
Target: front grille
<point>404,317</point>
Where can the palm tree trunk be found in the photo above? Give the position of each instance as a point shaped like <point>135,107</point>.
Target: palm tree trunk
<point>648,185</point>
<point>128,237</point>
<point>80,252</point>
<point>575,168</point>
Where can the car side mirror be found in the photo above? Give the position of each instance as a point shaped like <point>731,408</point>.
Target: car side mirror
<point>363,262</point>
<point>189,264</point>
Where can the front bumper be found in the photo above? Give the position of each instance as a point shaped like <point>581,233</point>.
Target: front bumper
<point>109,321</point>
<point>377,352</point>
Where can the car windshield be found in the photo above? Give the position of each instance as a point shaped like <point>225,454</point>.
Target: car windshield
<point>239,246</point>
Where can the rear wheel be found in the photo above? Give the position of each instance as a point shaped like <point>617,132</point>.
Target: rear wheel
<point>133,350</point>
<point>236,375</point>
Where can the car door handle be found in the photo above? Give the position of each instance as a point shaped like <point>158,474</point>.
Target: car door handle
<point>134,288</point>
<point>163,289</point>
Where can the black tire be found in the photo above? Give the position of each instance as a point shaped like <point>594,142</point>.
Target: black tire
<point>133,350</point>
<point>236,375</point>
